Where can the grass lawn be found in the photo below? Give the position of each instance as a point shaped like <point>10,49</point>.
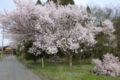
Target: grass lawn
<point>61,71</point>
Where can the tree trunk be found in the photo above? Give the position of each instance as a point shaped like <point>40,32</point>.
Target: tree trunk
<point>35,61</point>
<point>42,63</point>
<point>70,62</point>
<point>80,59</point>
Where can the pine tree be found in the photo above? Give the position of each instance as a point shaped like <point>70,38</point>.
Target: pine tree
<point>38,2</point>
<point>66,2</point>
<point>63,2</point>
<point>88,10</point>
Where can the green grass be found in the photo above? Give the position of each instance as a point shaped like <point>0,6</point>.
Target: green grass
<point>3,56</point>
<point>61,71</point>
<point>95,77</point>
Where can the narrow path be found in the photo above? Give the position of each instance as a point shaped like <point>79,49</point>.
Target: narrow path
<point>12,69</point>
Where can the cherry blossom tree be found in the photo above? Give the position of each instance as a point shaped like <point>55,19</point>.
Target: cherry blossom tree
<point>110,66</point>
<point>53,26</point>
<point>21,21</point>
<point>66,30</point>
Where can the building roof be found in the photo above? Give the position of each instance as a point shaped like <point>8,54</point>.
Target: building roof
<point>7,46</point>
<point>0,47</point>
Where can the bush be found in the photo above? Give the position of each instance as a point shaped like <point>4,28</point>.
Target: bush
<point>29,56</point>
<point>109,66</point>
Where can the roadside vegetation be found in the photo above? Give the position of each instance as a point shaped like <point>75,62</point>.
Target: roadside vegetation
<point>3,56</point>
<point>61,71</point>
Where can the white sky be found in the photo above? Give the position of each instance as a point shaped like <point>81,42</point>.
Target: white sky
<point>9,5</point>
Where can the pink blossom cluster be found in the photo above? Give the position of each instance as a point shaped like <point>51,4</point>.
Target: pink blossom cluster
<point>34,51</point>
<point>110,66</point>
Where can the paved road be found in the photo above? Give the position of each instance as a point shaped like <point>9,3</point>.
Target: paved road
<point>12,69</point>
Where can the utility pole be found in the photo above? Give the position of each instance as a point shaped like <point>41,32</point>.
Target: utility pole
<point>58,2</point>
<point>2,42</point>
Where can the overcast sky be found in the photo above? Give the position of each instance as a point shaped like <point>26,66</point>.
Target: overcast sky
<point>9,5</point>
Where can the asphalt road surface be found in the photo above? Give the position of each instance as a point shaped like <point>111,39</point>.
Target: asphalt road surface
<point>12,69</point>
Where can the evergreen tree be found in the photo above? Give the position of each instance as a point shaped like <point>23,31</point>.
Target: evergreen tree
<point>88,9</point>
<point>27,55</point>
<point>38,2</point>
<point>63,2</point>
